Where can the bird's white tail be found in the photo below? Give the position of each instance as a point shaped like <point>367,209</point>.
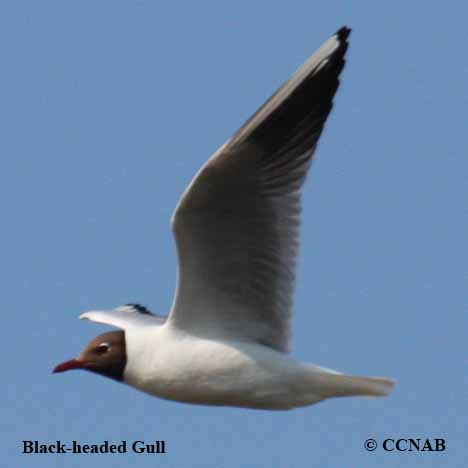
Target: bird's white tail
<point>338,385</point>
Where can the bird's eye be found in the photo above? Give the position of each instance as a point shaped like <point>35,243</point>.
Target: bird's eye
<point>102,348</point>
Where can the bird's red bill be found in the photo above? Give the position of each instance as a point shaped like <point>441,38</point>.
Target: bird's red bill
<point>68,365</point>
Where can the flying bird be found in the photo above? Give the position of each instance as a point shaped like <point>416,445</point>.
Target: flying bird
<point>225,340</point>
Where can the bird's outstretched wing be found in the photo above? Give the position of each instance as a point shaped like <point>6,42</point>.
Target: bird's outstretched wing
<point>124,317</point>
<point>236,226</point>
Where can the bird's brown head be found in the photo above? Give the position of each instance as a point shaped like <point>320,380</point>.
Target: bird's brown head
<point>105,355</point>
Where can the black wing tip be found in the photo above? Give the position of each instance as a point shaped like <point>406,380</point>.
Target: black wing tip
<point>139,308</point>
<point>343,33</point>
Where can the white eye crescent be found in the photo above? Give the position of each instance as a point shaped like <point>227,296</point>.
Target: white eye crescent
<point>103,347</point>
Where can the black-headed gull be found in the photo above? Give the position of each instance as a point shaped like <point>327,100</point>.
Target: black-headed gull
<point>225,339</point>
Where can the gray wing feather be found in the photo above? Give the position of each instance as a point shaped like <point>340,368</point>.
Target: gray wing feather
<point>237,224</point>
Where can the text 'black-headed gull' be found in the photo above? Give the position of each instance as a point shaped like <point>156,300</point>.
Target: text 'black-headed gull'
<point>225,339</point>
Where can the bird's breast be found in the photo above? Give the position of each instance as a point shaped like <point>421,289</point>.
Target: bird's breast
<point>181,367</point>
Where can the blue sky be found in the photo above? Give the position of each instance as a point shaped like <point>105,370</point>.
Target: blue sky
<point>107,111</point>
